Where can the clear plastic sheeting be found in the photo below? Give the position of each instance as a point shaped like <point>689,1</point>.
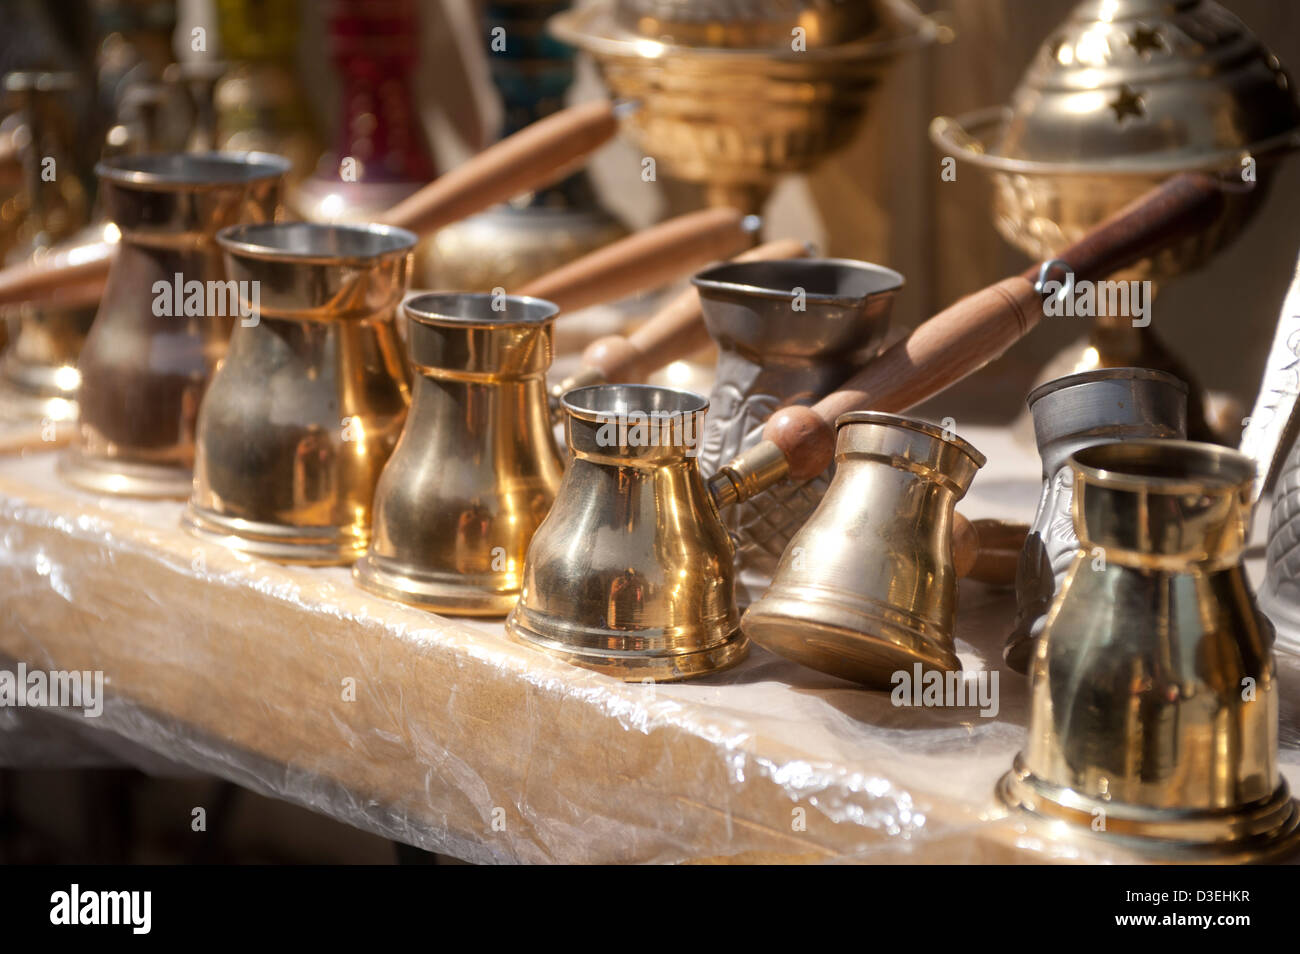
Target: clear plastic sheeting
<point>441,733</point>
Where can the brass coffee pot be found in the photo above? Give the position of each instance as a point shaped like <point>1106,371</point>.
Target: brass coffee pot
<point>149,355</point>
<point>631,572</point>
<point>477,467</point>
<point>868,585</point>
<point>304,411</point>
<point>1070,413</point>
<point>1154,712</point>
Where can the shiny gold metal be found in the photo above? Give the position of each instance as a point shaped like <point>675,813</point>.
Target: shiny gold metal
<point>477,466</point>
<point>867,587</point>
<point>143,374</point>
<point>1154,712</point>
<point>631,574</point>
<point>308,404</point>
<point>38,372</point>
<point>1123,95</point>
<point>1070,413</point>
<point>728,100</point>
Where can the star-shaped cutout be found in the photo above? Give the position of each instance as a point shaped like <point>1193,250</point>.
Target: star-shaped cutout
<point>1128,103</point>
<point>1146,40</point>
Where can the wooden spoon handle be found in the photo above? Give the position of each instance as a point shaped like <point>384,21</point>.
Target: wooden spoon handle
<point>674,332</point>
<point>539,153</point>
<point>646,259</point>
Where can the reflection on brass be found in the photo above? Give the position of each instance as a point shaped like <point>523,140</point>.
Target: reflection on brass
<point>867,587</point>
<point>143,373</point>
<point>307,406</point>
<point>631,574</point>
<point>1154,713</point>
<point>38,372</point>
<point>788,332</point>
<point>477,466</point>
<point>1070,413</point>
<point>729,99</point>
<point>1121,96</point>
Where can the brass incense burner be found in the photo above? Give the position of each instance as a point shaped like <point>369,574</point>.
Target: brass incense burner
<point>736,95</point>
<point>1123,95</point>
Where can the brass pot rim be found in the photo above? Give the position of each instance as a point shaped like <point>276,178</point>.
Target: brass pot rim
<point>192,171</point>
<point>388,241</point>
<point>966,137</point>
<point>1208,468</point>
<point>710,279</point>
<point>1103,374</point>
<point>911,424</point>
<point>690,402</point>
<point>592,28</point>
<point>524,310</point>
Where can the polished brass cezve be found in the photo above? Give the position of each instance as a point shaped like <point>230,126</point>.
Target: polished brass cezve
<point>477,466</point>
<point>308,404</point>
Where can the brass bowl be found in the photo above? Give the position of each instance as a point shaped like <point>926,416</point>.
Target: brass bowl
<point>736,117</point>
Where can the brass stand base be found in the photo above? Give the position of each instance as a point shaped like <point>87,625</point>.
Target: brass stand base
<point>855,639</point>
<point>1262,831</point>
<point>632,663</point>
<point>108,476</point>
<point>469,595</point>
<point>304,546</point>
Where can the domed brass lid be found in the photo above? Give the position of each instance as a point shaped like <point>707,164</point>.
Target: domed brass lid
<point>1142,86</point>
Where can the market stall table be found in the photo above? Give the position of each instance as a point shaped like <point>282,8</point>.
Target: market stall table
<point>443,734</point>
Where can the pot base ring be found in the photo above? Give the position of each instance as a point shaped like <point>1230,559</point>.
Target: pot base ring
<point>864,642</point>
<point>122,479</point>
<point>634,666</point>
<point>304,546</point>
<point>1262,831</point>
<point>437,593</point>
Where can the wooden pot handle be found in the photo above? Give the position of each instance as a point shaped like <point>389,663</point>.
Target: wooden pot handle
<point>672,333</point>
<point>538,154</point>
<point>987,550</point>
<point>969,334</point>
<point>645,259</point>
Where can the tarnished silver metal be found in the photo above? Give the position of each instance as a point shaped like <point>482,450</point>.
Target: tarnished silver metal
<point>631,572</point>
<point>1270,439</point>
<point>1070,413</point>
<point>304,411</point>
<point>1154,714</point>
<point>788,332</point>
<point>477,466</point>
<point>867,587</point>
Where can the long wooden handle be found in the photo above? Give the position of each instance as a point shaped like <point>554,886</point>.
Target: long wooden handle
<point>539,153</point>
<point>672,333</point>
<point>987,550</point>
<point>71,277</point>
<point>967,335</point>
<point>645,259</point>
